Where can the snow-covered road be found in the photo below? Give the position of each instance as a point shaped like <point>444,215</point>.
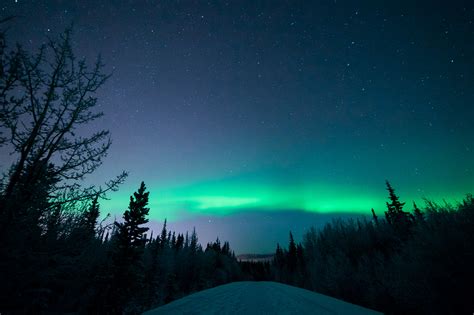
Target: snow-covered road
<point>258,298</point>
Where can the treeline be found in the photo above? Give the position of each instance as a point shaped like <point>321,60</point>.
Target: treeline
<point>73,264</point>
<point>418,262</point>
<point>139,273</point>
<point>55,254</point>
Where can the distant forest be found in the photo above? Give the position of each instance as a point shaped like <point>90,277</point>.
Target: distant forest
<point>418,262</point>
<point>57,256</point>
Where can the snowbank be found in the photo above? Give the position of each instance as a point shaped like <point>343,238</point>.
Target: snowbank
<point>258,298</point>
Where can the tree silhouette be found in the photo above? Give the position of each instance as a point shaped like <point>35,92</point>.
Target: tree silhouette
<point>164,236</point>
<point>45,98</point>
<point>127,269</point>
<point>193,242</point>
<point>54,258</point>
<point>130,232</point>
<point>179,242</point>
<point>89,218</point>
<point>374,216</point>
<point>418,215</point>
<point>395,215</point>
<point>292,254</point>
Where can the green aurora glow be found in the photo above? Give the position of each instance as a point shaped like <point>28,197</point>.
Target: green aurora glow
<point>221,198</point>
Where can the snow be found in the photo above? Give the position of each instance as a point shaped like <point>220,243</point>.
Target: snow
<point>258,298</point>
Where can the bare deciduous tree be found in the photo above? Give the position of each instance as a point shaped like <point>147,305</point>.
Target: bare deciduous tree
<point>47,100</point>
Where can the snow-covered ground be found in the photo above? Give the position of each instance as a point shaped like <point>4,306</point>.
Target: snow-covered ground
<point>258,298</point>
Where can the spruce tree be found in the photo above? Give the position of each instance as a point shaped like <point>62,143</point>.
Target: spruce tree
<point>292,256</point>
<point>278,253</point>
<point>374,216</point>
<point>193,241</point>
<point>163,236</point>
<point>226,249</point>
<point>179,242</point>
<point>90,217</point>
<point>417,214</point>
<point>394,213</point>
<point>127,257</point>
<point>173,240</point>
<point>400,220</point>
<point>130,232</point>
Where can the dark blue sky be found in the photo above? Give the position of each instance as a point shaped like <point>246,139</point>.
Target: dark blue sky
<point>227,109</point>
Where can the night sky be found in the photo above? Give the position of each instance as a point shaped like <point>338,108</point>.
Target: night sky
<point>247,120</point>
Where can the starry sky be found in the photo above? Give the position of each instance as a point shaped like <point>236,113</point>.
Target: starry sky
<point>250,118</point>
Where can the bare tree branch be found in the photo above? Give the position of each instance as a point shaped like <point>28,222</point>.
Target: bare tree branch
<point>44,99</point>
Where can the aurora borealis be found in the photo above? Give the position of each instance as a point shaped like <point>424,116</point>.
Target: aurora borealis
<point>223,197</point>
<point>249,119</point>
